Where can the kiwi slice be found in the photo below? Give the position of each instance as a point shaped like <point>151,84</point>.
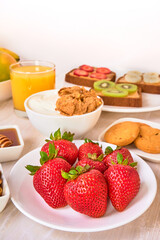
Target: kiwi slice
<point>103,84</point>
<point>131,88</point>
<point>114,92</point>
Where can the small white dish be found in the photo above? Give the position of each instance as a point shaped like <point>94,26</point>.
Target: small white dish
<point>148,156</point>
<point>13,152</point>
<point>5,90</point>
<point>6,193</point>
<point>31,204</point>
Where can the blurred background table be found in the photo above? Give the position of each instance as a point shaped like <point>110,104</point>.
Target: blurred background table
<point>14,225</point>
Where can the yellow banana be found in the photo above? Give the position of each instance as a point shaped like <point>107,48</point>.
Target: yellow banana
<point>14,55</point>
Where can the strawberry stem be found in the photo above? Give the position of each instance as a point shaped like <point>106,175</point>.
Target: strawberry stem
<point>52,154</point>
<point>95,158</point>
<point>58,136</point>
<point>75,172</point>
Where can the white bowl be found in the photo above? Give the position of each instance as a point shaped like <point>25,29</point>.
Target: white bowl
<point>77,124</point>
<point>5,90</point>
<point>13,152</point>
<point>6,193</point>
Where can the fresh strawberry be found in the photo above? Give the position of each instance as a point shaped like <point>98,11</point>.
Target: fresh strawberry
<point>123,183</point>
<point>86,68</point>
<point>63,143</point>
<point>98,75</point>
<point>86,191</point>
<point>103,70</point>
<point>79,72</point>
<point>47,179</point>
<point>111,155</point>
<point>89,147</point>
<point>93,161</point>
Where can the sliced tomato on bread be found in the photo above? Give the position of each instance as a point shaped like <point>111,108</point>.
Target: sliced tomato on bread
<point>103,70</point>
<point>86,68</point>
<point>79,72</point>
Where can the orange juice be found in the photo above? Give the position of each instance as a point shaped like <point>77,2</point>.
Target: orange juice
<point>29,79</point>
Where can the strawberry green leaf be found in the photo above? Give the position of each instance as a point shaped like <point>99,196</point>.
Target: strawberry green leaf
<point>32,169</point>
<point>86,140</point>
<point>86,168</point>
<point>51,137</point>
<point>79,169</point>
<point>65,175</point>
<point>108,150</point>
<point>118,148</point>
<point>100,158</point>
<point>52,151</point>
<point>92,156</point>
<point>119,158</point>
<point>125,162</point>
<point>133,164</point>
<point>73,172</point>
<point>44,157</point>
<point>68,136</point>
<point>57,135</point>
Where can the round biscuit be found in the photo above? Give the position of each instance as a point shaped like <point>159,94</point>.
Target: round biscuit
<point>122,134</point>
<point>148,139</point>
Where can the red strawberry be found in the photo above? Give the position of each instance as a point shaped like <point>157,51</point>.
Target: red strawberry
<point>64,145</point>
<point>94,162</point>
<point>86,68</point>
<point>79,72</point>
<point>98,75</point>
<point>48,181</point>
<point>123,184</point>
<point>86,191</point>
<point>112,155</point>
<point>89,147</point>
<point>103,70</point>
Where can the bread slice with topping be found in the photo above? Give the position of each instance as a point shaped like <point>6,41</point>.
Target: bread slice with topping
<point>86,75</point>
<point>123,95</point>
<point>149,82</point>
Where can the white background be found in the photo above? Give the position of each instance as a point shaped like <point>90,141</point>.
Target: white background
<point>118,34</point>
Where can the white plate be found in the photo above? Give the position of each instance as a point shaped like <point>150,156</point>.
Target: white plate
<point>29,202</point>
<point>150,102</point>
<point>132,147</point>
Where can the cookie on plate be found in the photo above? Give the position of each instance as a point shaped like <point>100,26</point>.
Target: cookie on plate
<point>148,139</point>
<point>123,133</point>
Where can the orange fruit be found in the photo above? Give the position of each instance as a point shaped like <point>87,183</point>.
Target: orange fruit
<point>5,61</point>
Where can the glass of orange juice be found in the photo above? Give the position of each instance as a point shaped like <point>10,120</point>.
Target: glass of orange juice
<point>27,78</point>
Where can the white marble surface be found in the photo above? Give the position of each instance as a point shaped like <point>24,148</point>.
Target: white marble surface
<point>14,225</point>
